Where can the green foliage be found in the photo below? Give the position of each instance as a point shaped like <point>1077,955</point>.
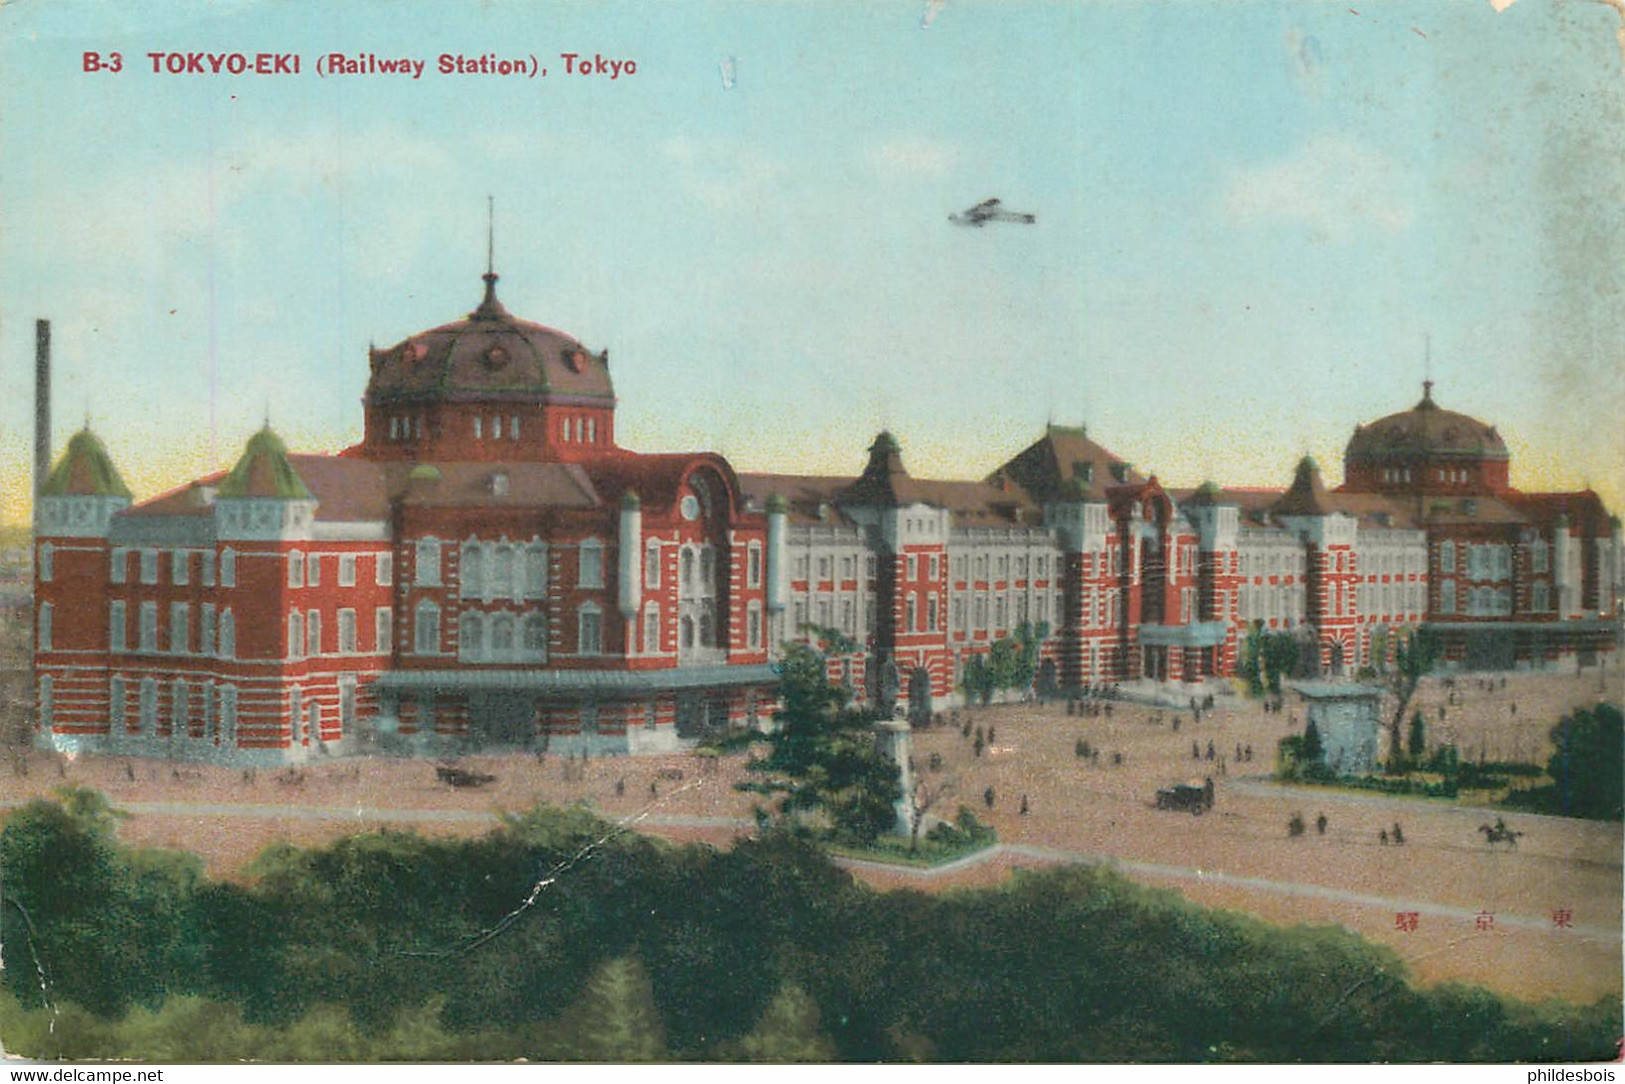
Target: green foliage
<point>1011,662</point>
<point>1415,656</point>
<point>1417,743</point>
<point>787,1032</point>
<point>86,920</point>
<point>1588,767</point>
<point>1266,658</point>
<point>554,937</point>
<point>614,1019</point>
<point>824,754</point>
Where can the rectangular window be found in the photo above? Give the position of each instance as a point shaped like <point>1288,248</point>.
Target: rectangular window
<point>651,565</point>
<point>383,569</point>
<point>313,633</point>
<point>121,565</point>
<point>428,562</point>
<point>116,630</point>
<point>180,568</point>
<point>591,632</point>
<point>347,570</point>
<point>753,565</point>
<point>47,562</point>
<point>149,566</point>
<point>592,564</point>
<point>313,571</point>
<point>205,562</point>
<point>149,705</point>
<point>383,630</point>
<point>651,629</point>
<point>754,626</point>
<point>180,619</point>
<point>296,634</point>
<point>1447,557</point>
<point>228,711</point>
<point>118,705</point>
<point>296,569</point>
<point>205,629</point>
<point>42,640</point>
<point>347,632</point>
<point>228,568</point>
<point>426,630</point>
<point>228,635</point>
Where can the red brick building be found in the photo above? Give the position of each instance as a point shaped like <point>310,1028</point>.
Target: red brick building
<point>488,568</point>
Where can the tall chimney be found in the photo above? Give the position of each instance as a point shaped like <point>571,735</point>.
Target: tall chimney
<point>42,403</point>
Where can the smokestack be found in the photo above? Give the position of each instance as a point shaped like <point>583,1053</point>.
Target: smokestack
<point>42,402</point>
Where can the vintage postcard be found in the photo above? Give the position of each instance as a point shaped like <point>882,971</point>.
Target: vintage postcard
<point>950,532</point>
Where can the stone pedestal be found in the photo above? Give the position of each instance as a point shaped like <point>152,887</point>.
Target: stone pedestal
<point>896,741</point>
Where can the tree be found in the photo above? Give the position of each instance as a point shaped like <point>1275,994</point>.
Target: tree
<point>787,1032</point>
<point>1279,651</point>
<point>1415,656</point>
<point>925,796</point>
<point>825,754</point>
<point>614,1018</point>
<point>1588,767</point>
<point>1010,663</point>
<point>1417,745</point>
<point>1314,752</point>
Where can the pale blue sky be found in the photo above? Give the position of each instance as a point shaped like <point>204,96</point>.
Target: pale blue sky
<point>1250,217</point>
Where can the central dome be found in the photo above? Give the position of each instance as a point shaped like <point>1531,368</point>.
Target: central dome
<point>1425,432</point>
<point>490,355</point>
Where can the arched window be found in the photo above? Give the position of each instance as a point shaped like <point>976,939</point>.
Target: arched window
<point>687,580</point>
<point>535,634</point>
<point>426,629</point>
<point>651,628</point>
<point>470,636</point>
<point>296,634</point>
<point>708,570</point>
<point>589,630</point>
<point>471,570</point>
<point>228,635</point>
<point>502,572</point>
<point>502,635</point>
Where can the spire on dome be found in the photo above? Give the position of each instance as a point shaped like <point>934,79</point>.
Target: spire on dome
<point>1427,402</point>
<point>490,308</point>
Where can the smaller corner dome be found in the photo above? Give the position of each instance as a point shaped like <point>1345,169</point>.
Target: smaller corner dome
<point>85,470</point>
<point>264,471</point>
<point>1425,430</point>
<point>490,353</point>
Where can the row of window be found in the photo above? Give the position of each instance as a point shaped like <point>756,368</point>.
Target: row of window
<point>506,577</point>
<point>801,568</point>
<point>493,425</point>
<point>217,634</point>
<point>180,566</point>
<point>214,707</point>
<point>492,570</point>
<point>1388,599</point>
<point>305,633</point>
<point>1489,601</point>
<point>305,569</point>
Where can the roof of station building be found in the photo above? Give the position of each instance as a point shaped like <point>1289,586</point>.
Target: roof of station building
<point>491,353</point>
<point>1424,431</point>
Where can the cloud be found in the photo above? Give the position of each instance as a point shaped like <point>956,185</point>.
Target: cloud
<point>1336,187</point>
<point>910,157</point>
<point>723,174</point>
